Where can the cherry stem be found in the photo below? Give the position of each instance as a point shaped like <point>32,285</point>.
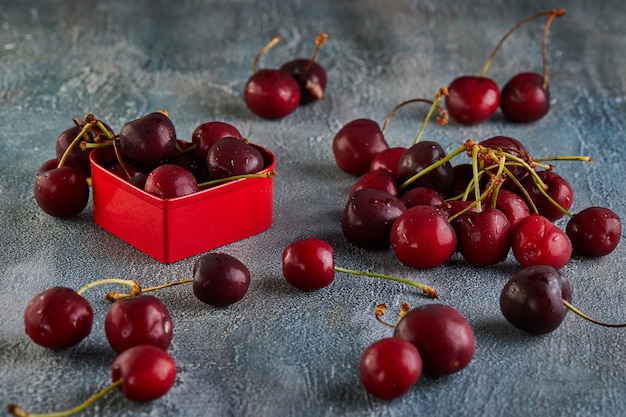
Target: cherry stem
<point>426,289</point>
<point>114,295</point>
<point>586,317</point>
<point>442,92</point>
<point>131,283</point>
<point>442,119</point>
<point>319,41</point>
<point>18,412</point>
<point>268,174</point>
<point>263,50</point>
<point>582,158</point>
<point>557,12</point>
<point>432,167</point>
<point>76,140</point>
<point>544,46</point>
<point>381,310</point>
<point>475,150</point>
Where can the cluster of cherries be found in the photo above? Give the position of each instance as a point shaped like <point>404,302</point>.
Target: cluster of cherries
<point>524,98</point>
<point>275,93</point>
<point>138,327</point>
<point>148,154</point>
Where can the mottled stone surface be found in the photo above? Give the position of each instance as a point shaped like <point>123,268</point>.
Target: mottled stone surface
<point>281,352</point>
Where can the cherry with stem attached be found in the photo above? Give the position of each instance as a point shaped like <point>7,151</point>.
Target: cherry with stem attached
<point>310,76</point>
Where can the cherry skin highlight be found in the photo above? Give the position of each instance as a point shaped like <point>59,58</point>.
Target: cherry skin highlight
<point>149,140</point>
<point>272,94</point>
<point>309,264</point>
<point>147,372</point>
<point>425,196</point>
<point>538,241</point>
<point>356,145</point>
<point>513,206</point>
<point>472,99</point>
<point>532,299</point>
<point>388,159</point>
<point>230,156</point>
<point>442,336</point>
<point>220,279</point>
<point>139,320</point>
<point>58,318</point>
<point>380,179</point>
<point>419,157</point>
<point>389,367</point>
<point>594,231</point>
<point>524,99</point>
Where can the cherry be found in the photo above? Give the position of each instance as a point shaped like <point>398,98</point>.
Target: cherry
<point>389,367</point>
<point>422,237</point>
<point>532,299</point>
<point>368,217</point>
<point>552,196</point>
<point>442,336</point>
<point>271,93</point>
<point>139,320</point>
<point>170,181</point>
<point>206,134</point>
<point>76,157</point>
<point>421,156</point>
<point>231,156</point>
<point>60,191</point>
<point>484,238</point>
<point>380,179</point>
<point>513,206</point>
<point>149,140</point>
<point>146,372</point>
<point>453,208</point>
<point>538,241</point>
<point>463,174</point>
<point>310,76</point>
<point>511,146</point>
<point>419,196</point>
<point>356,145</point>
<point>309,264</point>
<point>594,231</point>
<point>58,318</point>
<point>220,279</point>
<point>472,99</point>
<point>388,159</point>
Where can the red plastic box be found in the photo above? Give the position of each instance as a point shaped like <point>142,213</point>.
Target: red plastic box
<point>173,229</point>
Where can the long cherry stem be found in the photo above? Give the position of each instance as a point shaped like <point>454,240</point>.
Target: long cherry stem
<point>576,311</point>
<point>268,174</point>
<point>426,289</point>
<point>115,295</point>
<point>319,41</point>
<point>131,283</point>
<point>442,119</point>
<point>263,50</point>
<point>544,45</point>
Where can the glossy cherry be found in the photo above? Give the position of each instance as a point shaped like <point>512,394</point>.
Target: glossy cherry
<point>389,367</point>
<point>513,206</point>
<point>442,336</point>
<point>220,279</point>
<point>419,157</point>
<point>231,156</point>
<point>149,140</point>
<point>146,371</point>
<point>538,241</point>
<point>422,237</point>
<point>532,299</point>
<point>76,157</point>
<point>206,134</point>
<point>170,181</point>
<point>368,217</point>
<point>388,159</point>
<point>557,187</point>
<point>309,264</point>
<point>422,196</point>
<point>594,231</point>
<point>310,75</point>
<point>139,320</point>
<point>60,192</point>
<point>380,179</point>
<point>524,98</point>
<point>484,238</point>
<point>356,145</point>
<point>511,146</point>
<point>472,99</point>
<point>58,318</point>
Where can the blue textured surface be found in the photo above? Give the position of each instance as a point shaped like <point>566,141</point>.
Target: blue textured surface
<point>280,351</point>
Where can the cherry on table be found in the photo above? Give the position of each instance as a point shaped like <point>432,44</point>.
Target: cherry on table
<point>170,181</point>
<point>538,241</point>
<point>558,190</point>
<point>512,205</point>
<point>220,279</point>
<point>594,231</point>
<point>58,318</point>
<point>388,159</point>
<point>421,156</point>
<point>472,99</point>
<point>356,145</point>
<point>380,179</point>
<point>139,320</point>
<point>511,146</point>
<point>206,134</point>
<point>149,140</point>
<point>524,98</point>
<point>310,75</point>
<point>442,336</point>
<point>76,157</point>
<point>483,238</point>
<point>389,367</point>
<point>60,191</point>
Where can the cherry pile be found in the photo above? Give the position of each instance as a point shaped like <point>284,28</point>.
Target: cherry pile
<point>138,327</point>
<point>276,93</point>
<point>148,154</point>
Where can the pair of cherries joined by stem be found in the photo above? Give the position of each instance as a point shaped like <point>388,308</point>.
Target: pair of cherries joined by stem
<point>275,93</point>
<point>434,339</point>
<point>524,98</point>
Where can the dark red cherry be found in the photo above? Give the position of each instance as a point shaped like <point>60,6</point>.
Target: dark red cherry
<point>442,336</point>
<point>422,237</point>
<point>170,181</point>
<point>419,157</point>
<point>60,192</point>
<point>149,140</point>
<point>594,231</point>
<point>206,134</point>
<point>454,207</point>
<point>147,372</point>
<point>389,367</point>
<point>368,218</point>
<point>484,238</point>
<point>538,241</point>
<point>422,196</point>
<point>509,145</point>
<point>272,94</point>
<point>220,279</point>
<point>513,206</point>
<point>309,264</point>
<point>356,145</point>
<point>139,320</point>
<point>472,99</point>
<point>532,299</point>
<point>76,157</point>
<point>557,188</point>
<point>388,159</point>
<point>310,76</point>
<point>524,98</point>
<point>58,318</point>
<point>231,156</point>
<point>463,174</point>
<point>380,179</point>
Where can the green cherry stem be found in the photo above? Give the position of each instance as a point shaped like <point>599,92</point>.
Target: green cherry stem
<point>267,174</point>
<point>115,295</point>
<point>426,289</point>
<point>131,283</point>
<point>15,410</point>
<point>442,92</point>
<point>75,141</point>
<point>432,167</point>
<point>586,317</point>
<point>442,119</point>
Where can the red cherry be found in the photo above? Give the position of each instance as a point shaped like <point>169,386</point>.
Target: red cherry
<point>309,264</point>
<point>58,318</point>
<point>60,192</point>
<point>557,188</point>
<point>538,241</point>
<point>484,238</point>
<point>389,367</point>
<point>230,156</point>
<point>170,181</point>
<point>595,231</point>
<point>388,159</point>
<point>524,98</point>
<point>146,371</point>
<point>272,94</point>
<point>149,140</point>
<point>220,279</point>
<point>422,237</point>
<point>356,145</point>
<point>380,179</point>
<point>513,206</point>
<point>206,134</point>
<point>422,196</point>
<point>472,99</point>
